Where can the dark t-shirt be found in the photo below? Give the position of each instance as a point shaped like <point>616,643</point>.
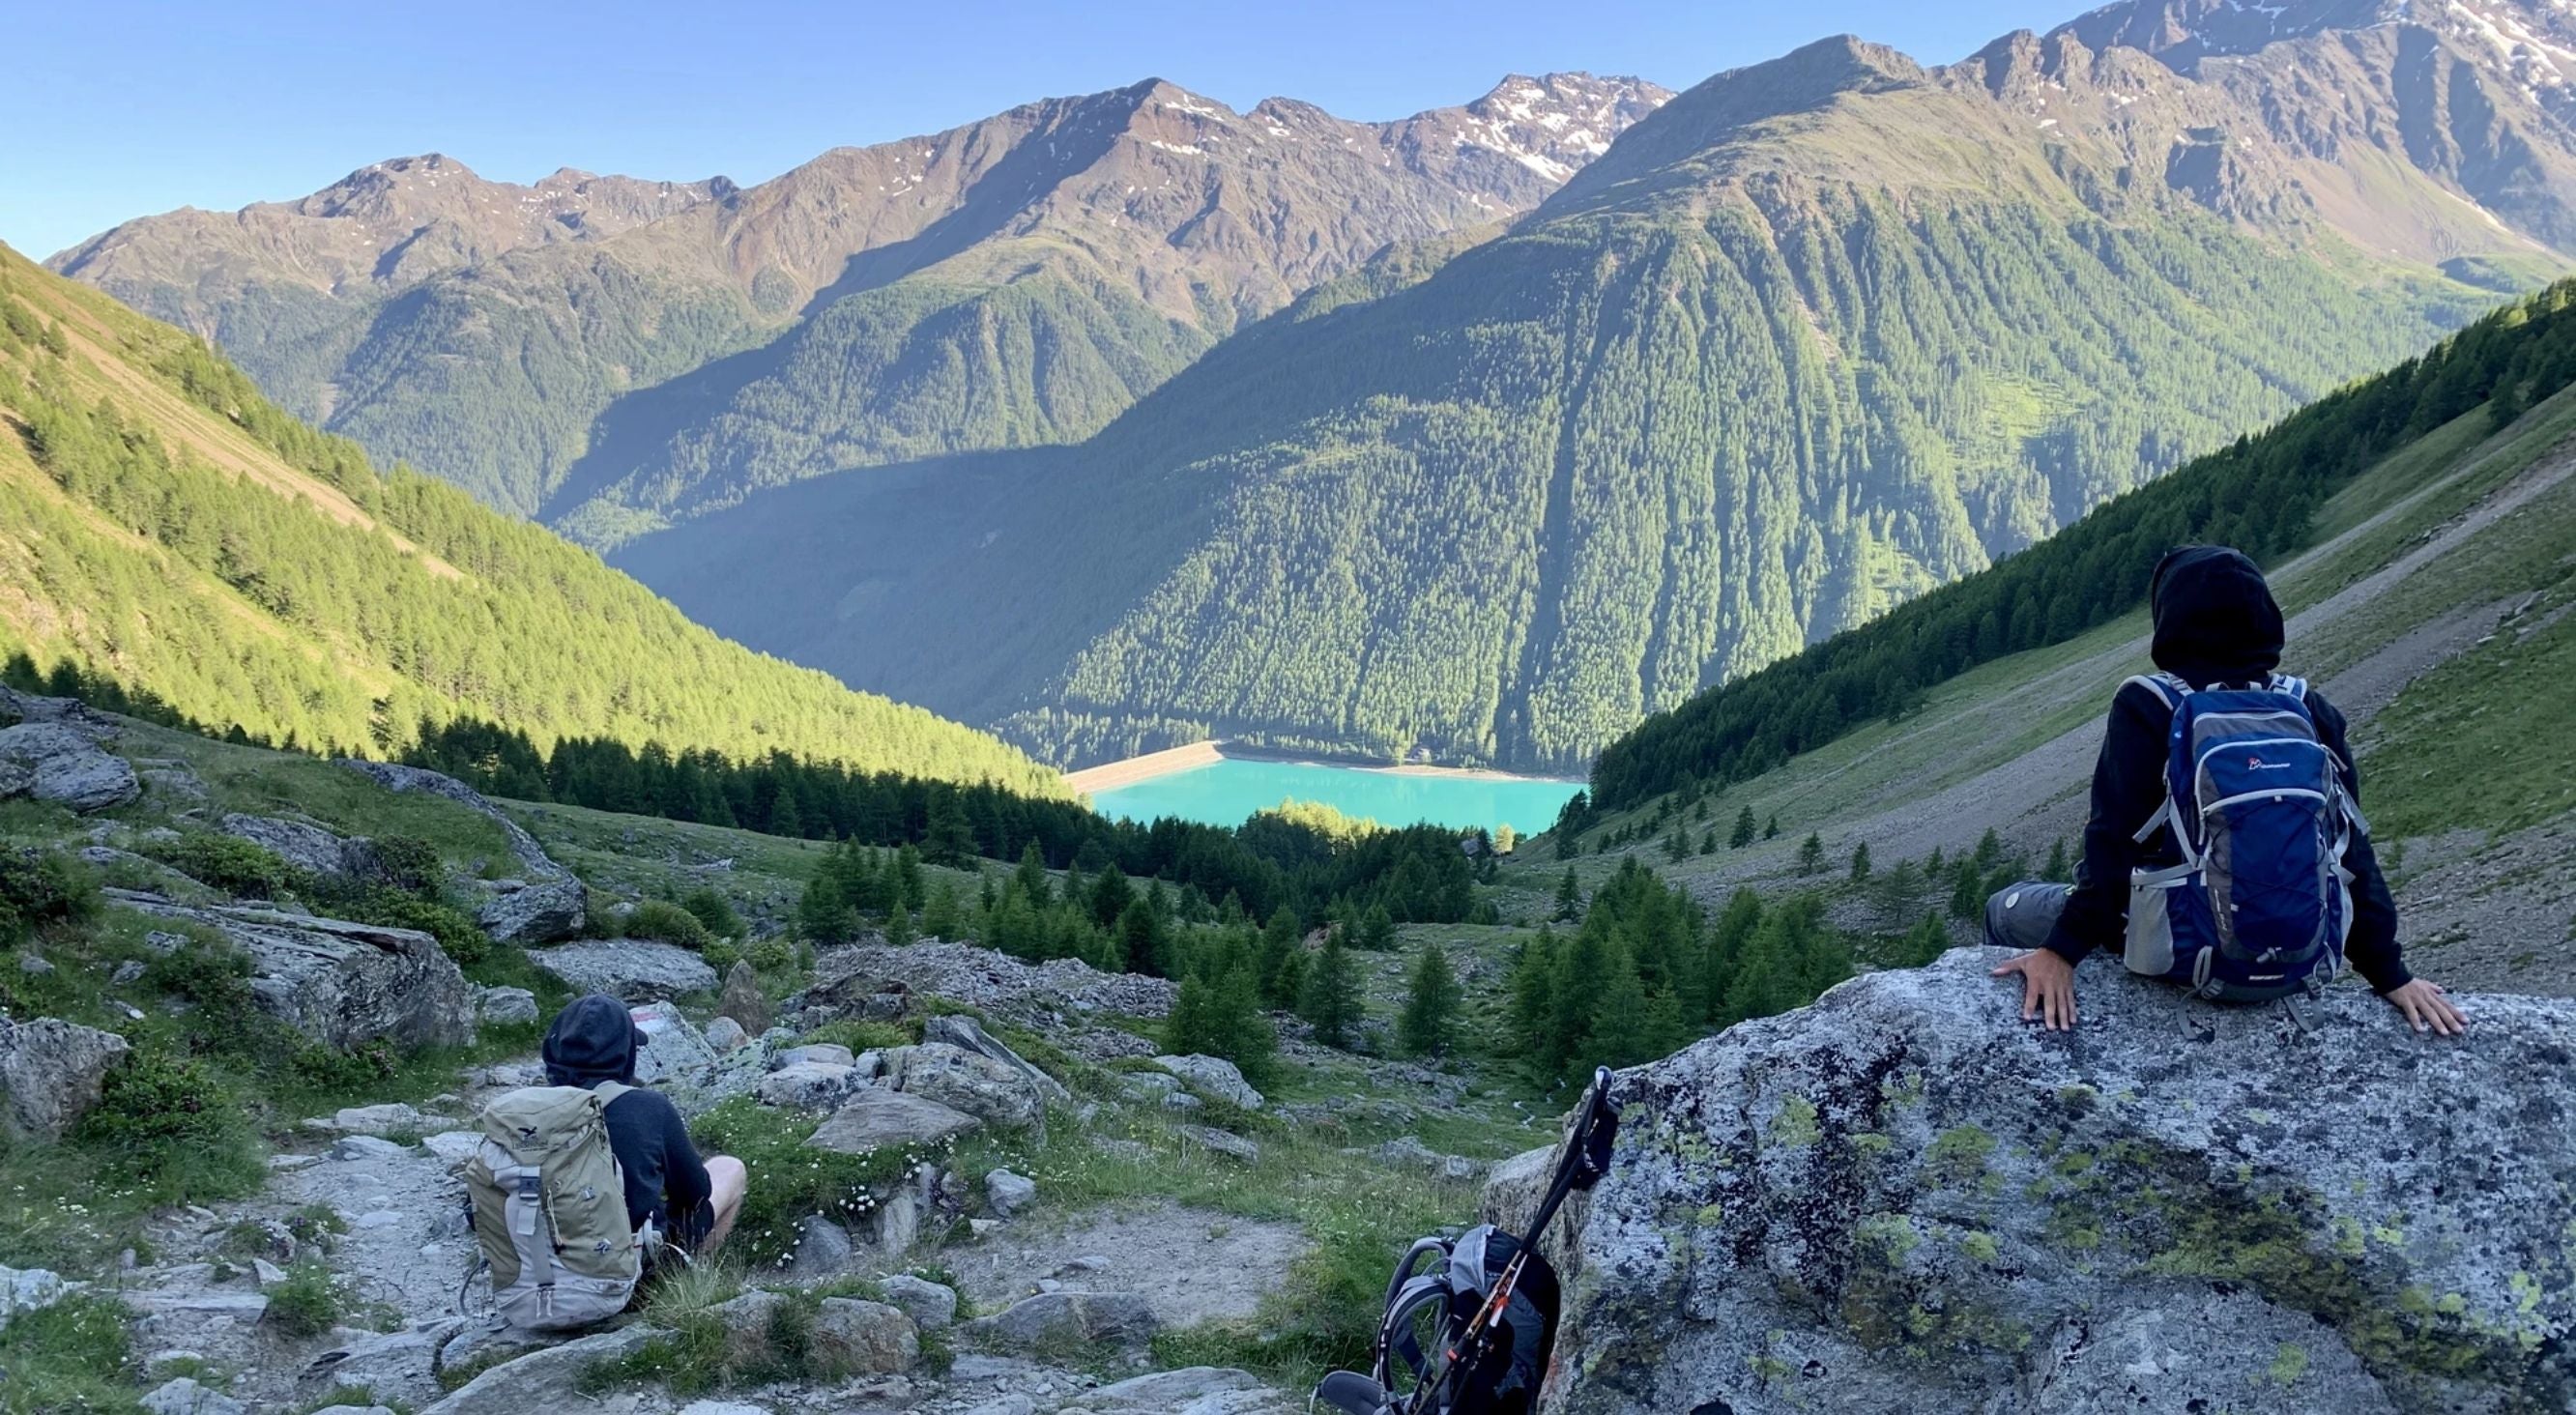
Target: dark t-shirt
<point>663,1173</point>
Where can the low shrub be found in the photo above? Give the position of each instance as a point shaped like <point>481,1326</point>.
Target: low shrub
<point>170,1128</point>
<point>41,887</point>
<point>308,1302</point>
<point>229,863</point>
<point>458,935</point>
<point>410,864</point>
<point>665,922</point>
<point>709,908</point>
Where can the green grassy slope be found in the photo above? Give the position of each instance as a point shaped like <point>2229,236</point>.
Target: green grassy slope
<point>162,525</point>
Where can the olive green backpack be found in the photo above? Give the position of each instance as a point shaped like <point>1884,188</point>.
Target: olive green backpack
<point>549,1205</point>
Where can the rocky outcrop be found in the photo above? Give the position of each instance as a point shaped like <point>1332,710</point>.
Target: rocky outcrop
<point>628,969</point>
<point>809,1085</point>
<point>1064,1319</point>
<point>965,1033</point>
<point>344,983</point>
<point>542,1380</point>
<point>876,1118</point>
<point>1214,1077</point>
<point>743,1000</point>
<point>506,1007</point>
<point>545,902</point>
<point>1902,1199</point>
<point>1191,1390</point>
<point>61,761</point>
<point>302,844</point>
<point>966,1081</point>
<point>51,1073</point>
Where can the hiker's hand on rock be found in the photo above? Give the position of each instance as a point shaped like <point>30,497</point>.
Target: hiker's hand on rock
<point>2428,1008</point>
<point>2047,988</point>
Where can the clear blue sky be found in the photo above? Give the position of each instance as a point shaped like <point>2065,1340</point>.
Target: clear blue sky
<point>114,109</point>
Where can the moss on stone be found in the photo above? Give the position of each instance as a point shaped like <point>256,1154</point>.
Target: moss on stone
<point>1795,1127</point>
<point>2289,1363</point>
<point>1958,1155</point>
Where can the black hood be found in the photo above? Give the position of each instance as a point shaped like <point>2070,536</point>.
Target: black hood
<point>592,1040</point>
<point>2216,621</point>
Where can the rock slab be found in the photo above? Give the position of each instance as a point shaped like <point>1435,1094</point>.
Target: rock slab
<point>344,983</point>
<point>60,762</point>
<point>1901,1198</point>
<point>53,1072</point>
<point>876,1118</point>
<point>629,969</point>
<point>1215,1076</point>
<point>990,1090</point>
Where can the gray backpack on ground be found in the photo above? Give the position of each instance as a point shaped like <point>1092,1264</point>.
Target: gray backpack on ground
<point>549,1208</point>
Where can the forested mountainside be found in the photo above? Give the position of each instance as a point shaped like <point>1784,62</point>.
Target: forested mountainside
<point>164,528</point>
<point>1815,337</point>
<point>2259,495</point>
<point>609,354</point>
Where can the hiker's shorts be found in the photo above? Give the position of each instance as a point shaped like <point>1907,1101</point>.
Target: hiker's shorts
<point>2022,917</point>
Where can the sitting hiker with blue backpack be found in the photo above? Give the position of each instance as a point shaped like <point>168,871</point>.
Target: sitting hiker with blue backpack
<point>2226,849</point>
<point>580,1184</point>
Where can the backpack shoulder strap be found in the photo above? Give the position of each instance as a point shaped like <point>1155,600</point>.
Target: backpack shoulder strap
<point>609,1091</point>
<point>2290,685</point>
<point>2173,691</point>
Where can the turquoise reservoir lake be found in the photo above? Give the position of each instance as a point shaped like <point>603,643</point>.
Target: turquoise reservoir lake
<point>1224,792</point>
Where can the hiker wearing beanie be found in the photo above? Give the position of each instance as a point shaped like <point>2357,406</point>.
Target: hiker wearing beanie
<point>2226,848</point>
<point>691,1202</point>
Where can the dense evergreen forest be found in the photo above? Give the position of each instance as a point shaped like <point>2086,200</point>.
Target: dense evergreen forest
<point>1503,505</point>
<point>2259,494</point>
<point>164,526</point>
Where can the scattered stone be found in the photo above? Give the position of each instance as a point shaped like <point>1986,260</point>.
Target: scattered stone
<point>506,1007</point>
<point>1408,1152</point>
<point>126,973</point>
<point>53,1072</point>
<point>725,1034</point>
<point>826,1052</point>
<point>1853,1146</point>
<point>184,1396</point>
<point>1008,1193</point>
<point>453,1147</point>
<point>1058,1319</point>
<point>810,1085</point>
<point>287,1164</point>
<point>966,1034</point>
<point>931,1305</point>
<point>546,1379</point>
<point>268,1274</point>
<point>872,1338</point>
<point>1183,1101</point>
<point>742,1000</point>
<point>982,1087</point>
<point>344,983</point>
<point>239,1308</point>
<point>1148,1087</point>
<point>1222,1142</point>
<point>170,1358</point>
<point>33,964</point>
<point>1213,1076</point>
<point>364,1147</point>
<point>981,1228</point>
<point>823,1248</point>
<point>723,1407</point>
<point>305,846</point>
<point>630,970</point>
<point>61,763</point>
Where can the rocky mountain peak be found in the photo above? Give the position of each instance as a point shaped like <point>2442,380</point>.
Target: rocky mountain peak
<point>1555,123</point>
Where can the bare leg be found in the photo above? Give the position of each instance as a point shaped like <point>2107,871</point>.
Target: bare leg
<point>726,1180</point>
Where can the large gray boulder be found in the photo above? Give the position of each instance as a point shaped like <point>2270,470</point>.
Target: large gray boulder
<point>1213,1076</point>
<point>628,969</point>
<point>866,1338</point>
<point>541,1380</point>
<point>61,762</point>
<point>400,1365</point>
<point>533,911</point>
<point>876,1118</point>
<point>1061,1320</point>
<point>987,1089</point>
<point>1901,1198</point>
<point>809,1085</point>
<point>344,983</point>
<point>544,902</point>
<point>306,846</point>
<point>52,1072</point>
<point>966,1034</point>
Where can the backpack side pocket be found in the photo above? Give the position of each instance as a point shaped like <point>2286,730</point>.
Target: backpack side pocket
<point>2149,947</point>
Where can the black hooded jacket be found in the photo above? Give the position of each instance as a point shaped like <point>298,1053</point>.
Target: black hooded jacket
<point>2215,622</point>
<point>594,1040</point>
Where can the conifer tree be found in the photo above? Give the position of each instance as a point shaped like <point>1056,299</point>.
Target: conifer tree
<point>1031,876</point>
<point>2057,868</point>
<point>1533,975</point>
<point>947,837</point>
<point>1772,831</point>
<point>1110,896</point>
<point>899,926</point>
<point>943,917</point>
<point>1811,854</point>
<point>782,817</point>
<point>1859,863</point>
<point>1990,849</point>
<point>1429,1022</point>
<point>1377,930</point>
<point>1708,843</point>
<point>1243,1030</point>
<point>1331,1000</point>
<point>1140,939</point>
<point>1569,897</point>
<point>907,886</point>
<point>823,915</point>
<point>1279,966</point>
<point>1677,845</point>
<point>1743,833</point>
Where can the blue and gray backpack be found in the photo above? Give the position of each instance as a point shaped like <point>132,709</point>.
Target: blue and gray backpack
<point>2260,903</point>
